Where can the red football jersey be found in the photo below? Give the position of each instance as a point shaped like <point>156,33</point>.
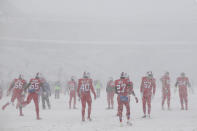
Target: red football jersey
<point>165,82</point>
<point>182,82</point>
<point>72,85</point>
<point>123,87</point>
<point>84,86</point>
<point>18,85</point>
<point>35,85</point>
<point>147,86</point>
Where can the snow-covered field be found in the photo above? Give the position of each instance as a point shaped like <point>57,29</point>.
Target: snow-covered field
<point>60,61</point>
<point>60,117</point>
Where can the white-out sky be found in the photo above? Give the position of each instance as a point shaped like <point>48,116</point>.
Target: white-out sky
<point>99,20</point>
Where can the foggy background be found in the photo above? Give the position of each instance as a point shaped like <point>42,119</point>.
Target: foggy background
<point>60,38</point>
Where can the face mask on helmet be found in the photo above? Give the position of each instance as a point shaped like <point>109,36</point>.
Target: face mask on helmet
<point>20,76</point>
<point>38,75</point>
<point>149,74</point>
<point>85,75</point>
<point>122,75</point>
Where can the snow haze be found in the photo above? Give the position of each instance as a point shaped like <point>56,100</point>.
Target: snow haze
<point>62,38</point>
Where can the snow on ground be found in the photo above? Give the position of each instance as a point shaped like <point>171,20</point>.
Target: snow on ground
<point>60,117</point>
<point>102,61</point>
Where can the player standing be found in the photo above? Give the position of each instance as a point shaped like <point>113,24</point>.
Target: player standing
<point>83,91</point>
<point>124,88</point>
<point>182,83</point>
<point>165,80</point>
<point>72,86</point>
<point>45,94</point>
<point>147,89</point>
<point>18,86</point>
<point>57,90</point>
<point>110,89</point>
<point>98,88</point>
<point>33,87</point>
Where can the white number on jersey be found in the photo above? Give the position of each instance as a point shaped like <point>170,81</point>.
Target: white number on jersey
<point>147,84</point>
<point>85,87</point>
<point>18,85</point>
<point>34,85</point>
<point>121,88</point>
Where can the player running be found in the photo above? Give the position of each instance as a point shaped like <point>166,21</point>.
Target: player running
<point>182,83</point>
<point>165,80</point>
<point>33,87</point>
<point>83,91</point>
<point>124,88</point>
<point>147,89</point>
<point>17,86</point>
<point>72,86</point>
<point>110,89</point>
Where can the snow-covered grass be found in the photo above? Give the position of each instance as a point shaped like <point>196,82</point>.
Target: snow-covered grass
<point>61,61</point>
<point>60,117</point>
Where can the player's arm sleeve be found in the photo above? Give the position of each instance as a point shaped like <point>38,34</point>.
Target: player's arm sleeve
<point>115,89</point>
<point>154,86</point>
<point>176,84</point>
<point>24,87</point>
<point>131,88</point>
<point>27,86</point>
<point>11,86</point>
<point>107,87</point>
<point>78,88</point>
<point>141,86</point>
